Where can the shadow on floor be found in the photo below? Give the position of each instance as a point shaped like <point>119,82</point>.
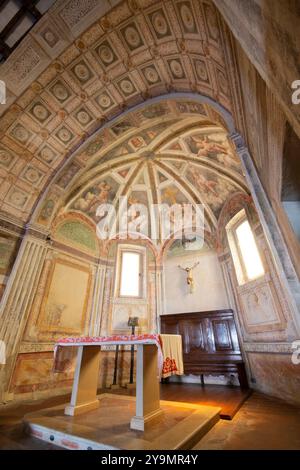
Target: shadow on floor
<point>261,422</point>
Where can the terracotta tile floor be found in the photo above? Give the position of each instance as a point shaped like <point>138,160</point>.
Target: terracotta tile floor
<point>261,423</point>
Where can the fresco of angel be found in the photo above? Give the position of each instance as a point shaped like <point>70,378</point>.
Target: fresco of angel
<point>89,202</point>
<point>220,151</point>
<point>205,146</point>
<point>207,186</point>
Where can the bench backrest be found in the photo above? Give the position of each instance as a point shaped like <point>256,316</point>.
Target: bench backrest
<point>207,337</point>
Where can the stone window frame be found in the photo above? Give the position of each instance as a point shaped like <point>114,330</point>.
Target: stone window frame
<point>141,251</point>
<point>235,250</point>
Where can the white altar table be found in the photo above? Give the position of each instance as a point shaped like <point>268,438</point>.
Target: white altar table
<point>150,365</point>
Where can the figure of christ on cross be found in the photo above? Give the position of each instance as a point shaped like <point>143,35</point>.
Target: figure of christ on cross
<point>190,278</point>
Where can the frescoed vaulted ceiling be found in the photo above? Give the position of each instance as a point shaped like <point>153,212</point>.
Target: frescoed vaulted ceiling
<point>172,152</point>
<point>83,64</point>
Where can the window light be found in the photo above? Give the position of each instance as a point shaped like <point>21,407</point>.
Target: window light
<point>249,252</point>
<point>130,274</point>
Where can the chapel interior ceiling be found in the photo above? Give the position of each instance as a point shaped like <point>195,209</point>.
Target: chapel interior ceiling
<point>170,152</point>
<point>74,73</point>
<point>170,163</point>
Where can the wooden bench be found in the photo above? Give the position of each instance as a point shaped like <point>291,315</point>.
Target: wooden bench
<point>210,343</point>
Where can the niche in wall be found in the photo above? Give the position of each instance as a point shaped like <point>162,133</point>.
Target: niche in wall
<point>209,288</point>
<point>142,305</point>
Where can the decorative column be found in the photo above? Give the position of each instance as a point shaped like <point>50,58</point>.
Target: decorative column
<point>271,228</point>
<point>107,300</point>
<point>160,297</point>
<point>98,296</point>
<point>152,300</point>
<point>18,299</point>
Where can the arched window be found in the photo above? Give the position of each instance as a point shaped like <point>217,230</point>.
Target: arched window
<point>245,254</point>
<point>130,271</point>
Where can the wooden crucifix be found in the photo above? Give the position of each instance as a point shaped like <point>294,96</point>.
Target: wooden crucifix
<point>189,279</point>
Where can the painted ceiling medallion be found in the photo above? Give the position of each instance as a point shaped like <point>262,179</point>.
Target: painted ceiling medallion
<point>17,198</point>
<point>132,37</point>
<point>40,112</point>
<point>31,175</point>
<point>151,74</point>
<point>104,101</point>
<point>60,92</point>
<point>82,72</point>
<point>6,158</point>
<point>47,154</point>
<point>44,134</point>
<point>176,68</point>
<point>64,135</point>
<point>160,23</point>
<point>127,86</point>
<point>106,54</point>
<point>187,18</point>
<point>212,22</point>
<point>20,133</point>
<point>83,117</point>
<point>201,70</point>
<point>50,38</point>
<point>222,82</point>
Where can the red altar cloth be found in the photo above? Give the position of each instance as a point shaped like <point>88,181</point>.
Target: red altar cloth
<point>65,350</point>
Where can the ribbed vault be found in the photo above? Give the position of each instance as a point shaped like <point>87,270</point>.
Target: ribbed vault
<point>161,156</point>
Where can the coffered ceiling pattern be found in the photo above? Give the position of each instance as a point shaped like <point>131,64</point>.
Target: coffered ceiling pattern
<point>61,90</point>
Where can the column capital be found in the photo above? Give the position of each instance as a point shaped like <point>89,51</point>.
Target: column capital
<point>11,224</point>
<point>37,231</point>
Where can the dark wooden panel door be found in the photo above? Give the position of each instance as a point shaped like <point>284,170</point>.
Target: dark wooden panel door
<point>192,336</point>
<point>222,336</point>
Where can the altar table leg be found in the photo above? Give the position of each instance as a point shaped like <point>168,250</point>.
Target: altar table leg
<point>147,387</point>
<point>84,391</point>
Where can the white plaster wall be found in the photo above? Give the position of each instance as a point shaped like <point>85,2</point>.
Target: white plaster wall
<point>209,293</point>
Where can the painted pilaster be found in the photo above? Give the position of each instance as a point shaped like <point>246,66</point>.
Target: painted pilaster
<point>107,300</point>
<point>98,296</point>
<point>152,301</point>
<point>159,296</point>
<point>18,298</point>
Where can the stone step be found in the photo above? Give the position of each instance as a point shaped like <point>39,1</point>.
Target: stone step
<point>181,426</point>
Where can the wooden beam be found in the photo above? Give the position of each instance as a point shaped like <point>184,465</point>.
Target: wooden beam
<point>13,22</point>
<point>28,7</point>
<point>4,49</point>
